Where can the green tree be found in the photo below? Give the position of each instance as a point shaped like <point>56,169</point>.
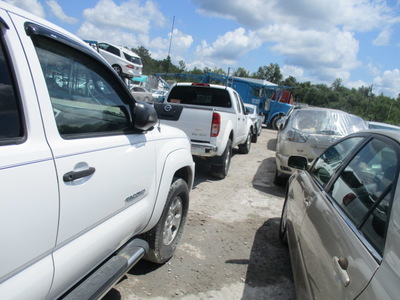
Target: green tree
<point>241,72</point>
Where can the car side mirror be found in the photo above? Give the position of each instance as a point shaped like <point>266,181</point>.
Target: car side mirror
<point>144,116</point>
<point>298,162</point>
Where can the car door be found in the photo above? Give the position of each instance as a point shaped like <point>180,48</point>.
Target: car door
<point>28,183</point>
<point>105,170</point>
<point>343,232</point>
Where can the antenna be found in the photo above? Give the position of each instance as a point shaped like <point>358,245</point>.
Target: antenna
<point>170,39</point>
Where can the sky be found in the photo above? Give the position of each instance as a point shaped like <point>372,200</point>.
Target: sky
<point>319,41</point>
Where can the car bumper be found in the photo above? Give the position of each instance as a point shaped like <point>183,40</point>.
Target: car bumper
<point>204,149</point>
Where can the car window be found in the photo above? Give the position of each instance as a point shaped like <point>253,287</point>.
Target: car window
<point>363,190</point>
<point>326,165</point>
<point>11,127</point>
<point>81,90</point>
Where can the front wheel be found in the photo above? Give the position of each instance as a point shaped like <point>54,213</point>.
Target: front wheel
<point>245,147</point>
<point>164,237</point>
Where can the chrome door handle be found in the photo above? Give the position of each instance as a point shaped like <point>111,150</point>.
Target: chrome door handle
<point>340,265</point>
<point>73,175</point>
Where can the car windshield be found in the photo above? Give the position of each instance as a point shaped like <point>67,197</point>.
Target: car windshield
<point>328,122</point>
<point>250,109</point>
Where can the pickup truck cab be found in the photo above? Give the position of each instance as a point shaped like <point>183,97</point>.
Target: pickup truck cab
<point>90,182</point>
<point>213,117</point>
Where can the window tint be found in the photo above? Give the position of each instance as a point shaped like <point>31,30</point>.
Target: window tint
<point>81,90</point>
<point>326,165</point>
<point>363,190</point>
<point>10,116</point>
<point>199,96</point>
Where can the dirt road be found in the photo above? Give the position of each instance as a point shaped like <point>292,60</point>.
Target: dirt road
<point>230,247</point>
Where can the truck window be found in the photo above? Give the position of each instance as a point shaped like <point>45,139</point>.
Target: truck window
<point>81,91</point>
<point>200,96</point>
<point>11,127</point>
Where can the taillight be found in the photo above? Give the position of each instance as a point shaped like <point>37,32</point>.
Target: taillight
<point>130,66</point>
<point>200,84</point>
<point>347,199</point>
<point>216,124</point>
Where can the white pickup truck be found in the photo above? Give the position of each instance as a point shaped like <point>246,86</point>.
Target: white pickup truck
<point>213,117</point>
<point>90,182</point>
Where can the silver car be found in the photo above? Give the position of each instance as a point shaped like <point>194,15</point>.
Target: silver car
<point>341,219</point>
<point>257,118</point>
<point>309,131</point>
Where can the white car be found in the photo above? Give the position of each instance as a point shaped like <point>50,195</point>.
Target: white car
<point>90,182</point>
<point>125,62</point>
<point>308,131</point>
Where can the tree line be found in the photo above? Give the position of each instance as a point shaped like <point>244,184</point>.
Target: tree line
<point>359,101</point>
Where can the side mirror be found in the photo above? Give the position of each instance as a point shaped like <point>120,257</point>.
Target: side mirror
<point>144,116</point>
<point>298,162</point>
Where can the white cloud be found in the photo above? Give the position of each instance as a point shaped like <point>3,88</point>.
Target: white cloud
<point>383,38</point>
<point>59,13</point>
<point>130,15</point>
<point>227,49</point>
<point>33,6</point>
<point>388,83</point>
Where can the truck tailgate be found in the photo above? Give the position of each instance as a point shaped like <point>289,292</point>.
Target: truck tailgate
<point>194,121</point>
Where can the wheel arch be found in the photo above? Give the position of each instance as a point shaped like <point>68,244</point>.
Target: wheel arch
<point>178,164</point>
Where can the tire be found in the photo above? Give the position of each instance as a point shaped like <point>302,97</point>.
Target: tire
<point>283,223</point>
<point>274,121</point>
<point>164,237</point>
<point>254,138</point>
<point>117,69</point>
<point>220,171</point>
<point>245,147</point>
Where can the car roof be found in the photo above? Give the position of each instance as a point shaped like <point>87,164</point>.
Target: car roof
<point>394,135</point>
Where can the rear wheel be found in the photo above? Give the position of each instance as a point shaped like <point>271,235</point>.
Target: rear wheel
<point>245,147</point>
<point>164,237</point>
<point>220,171</point>
<point>117,69</point>
<point>274,122</point>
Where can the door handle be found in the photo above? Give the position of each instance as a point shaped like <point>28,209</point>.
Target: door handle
<point>73,175</point>
<point>307,201</point>
<point>340,265</point>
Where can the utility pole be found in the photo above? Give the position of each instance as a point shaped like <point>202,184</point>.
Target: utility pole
<point>170,39</point>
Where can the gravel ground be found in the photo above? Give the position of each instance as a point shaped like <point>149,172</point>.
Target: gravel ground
<point>230,247</point>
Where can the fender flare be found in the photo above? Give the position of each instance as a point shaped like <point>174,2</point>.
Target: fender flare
<point>175,161</point>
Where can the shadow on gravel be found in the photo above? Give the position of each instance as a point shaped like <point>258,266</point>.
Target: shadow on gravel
<point>269,271</point>
<point>271,145</point>
<point>263,179</point>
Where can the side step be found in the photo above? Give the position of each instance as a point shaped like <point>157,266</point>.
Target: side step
<point>103,279</point>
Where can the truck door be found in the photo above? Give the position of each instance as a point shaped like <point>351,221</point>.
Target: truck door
<point>106,172</point>
<point>241,120</point>
<point>28,182</point>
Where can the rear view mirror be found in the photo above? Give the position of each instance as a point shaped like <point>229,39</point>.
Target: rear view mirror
<point>144,116</point>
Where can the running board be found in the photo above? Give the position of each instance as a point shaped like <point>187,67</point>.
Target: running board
<point>103,279</point>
